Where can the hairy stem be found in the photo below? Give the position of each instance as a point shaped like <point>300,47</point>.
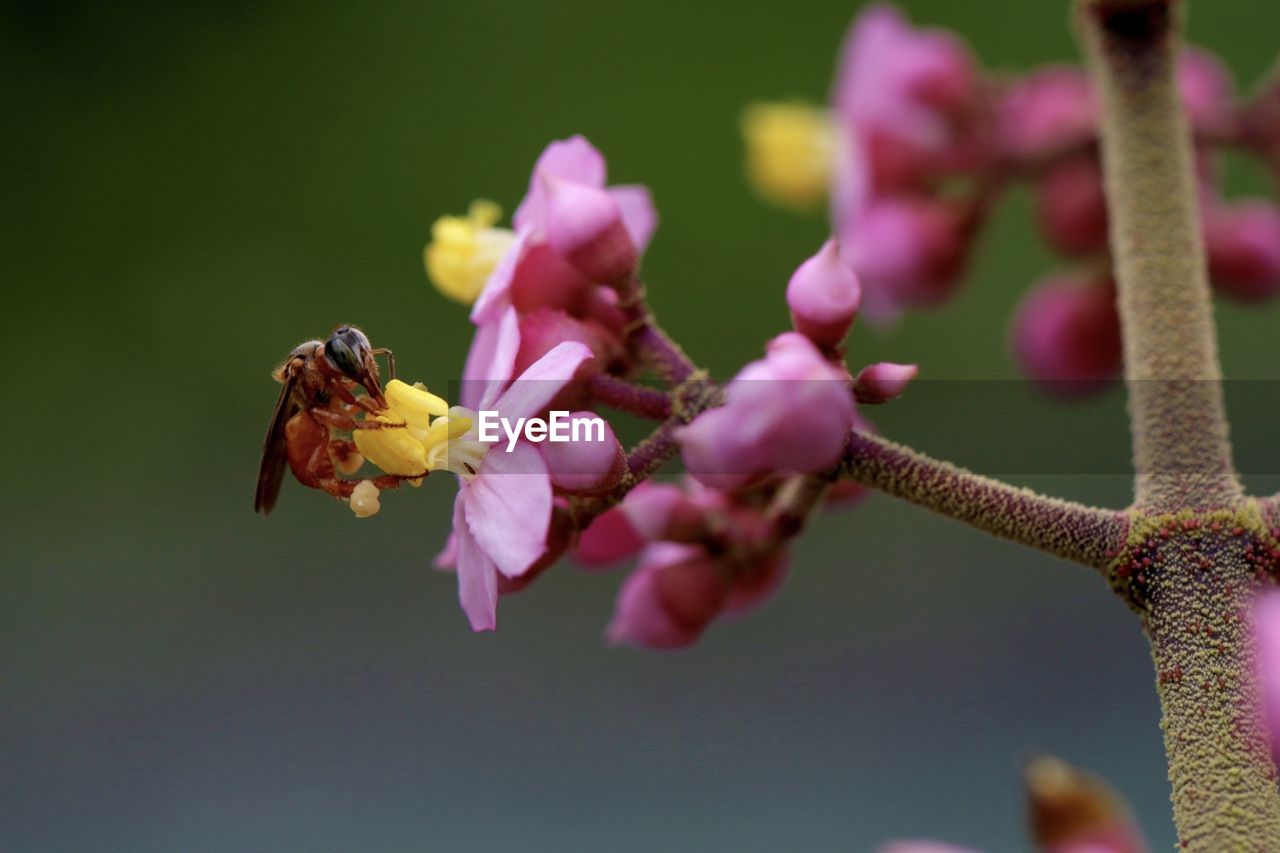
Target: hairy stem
<point>1072,531</point>
<point>1182,453</point>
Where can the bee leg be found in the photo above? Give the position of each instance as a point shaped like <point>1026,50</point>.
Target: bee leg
<point>341,421</point>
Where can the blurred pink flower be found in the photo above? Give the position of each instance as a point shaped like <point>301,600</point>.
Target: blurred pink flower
<point>1243,243</point>
<point>908,251</point>
<point>644,516</point>
<point>1266,627</point>
<point>1065,335</point>
<point>671,597</point>
<point>906,83</point>
<point>1049,110</point>
<point>1071,209</point>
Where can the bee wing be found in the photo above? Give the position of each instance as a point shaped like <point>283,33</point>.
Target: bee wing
<point>274,452</point>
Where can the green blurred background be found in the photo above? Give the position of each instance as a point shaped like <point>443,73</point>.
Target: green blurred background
<point>192,188</point>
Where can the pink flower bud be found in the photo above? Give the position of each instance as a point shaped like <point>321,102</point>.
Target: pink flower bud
<point>907,251</point>
<point>883,381</point>
<point>1266,627</point>
<point>1048,111</point>
<point>895,78</point>
<point>543,330</point>
<point>1071,209</point>
<point>544,279</point>
<point>584,225</point>
<point>591,461</point>
<point>788,413</point>
<point>1243,243</point>
<point>823,295</point>
<point>1066,335</point>
<point>647,514</point>
<point>1208,92</point>
<point>669,600</point>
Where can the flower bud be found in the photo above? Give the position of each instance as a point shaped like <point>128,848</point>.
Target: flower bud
<point>584,225</point>
<point>669,600</point>
<point>1243,244</point>
<point>907,251</point>
<point>790,412</point>
<point>1208,92</point>
<point>592,461</point>
<point>1065,335</point>
<point>823,295</point>
<point>1076,812</point>
<point>1071,209</point>
<point>644,516</point>
<point>1266,639</point>
<point>883,381</point>
<point>1049,110</point>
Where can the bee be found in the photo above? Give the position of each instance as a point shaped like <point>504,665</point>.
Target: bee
<point>317,404</point>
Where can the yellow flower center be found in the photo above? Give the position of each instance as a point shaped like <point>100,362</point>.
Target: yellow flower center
<point>790,152</point>
<point>424,434</point>
<point>464,250</point>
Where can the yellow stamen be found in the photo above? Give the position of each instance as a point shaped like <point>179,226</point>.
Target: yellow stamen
<point>465,249</point>
<point>790,152</point>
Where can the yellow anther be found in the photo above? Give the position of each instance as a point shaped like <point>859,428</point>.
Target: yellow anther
<point>395,451</point>
<point>465,249</point>
<point>790,152</point>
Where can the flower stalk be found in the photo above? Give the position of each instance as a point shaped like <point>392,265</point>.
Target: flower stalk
<point>1181,448</point>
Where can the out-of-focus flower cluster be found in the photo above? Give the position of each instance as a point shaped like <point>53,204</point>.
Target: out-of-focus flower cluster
<point>918,142</point>
<point>560,323</point>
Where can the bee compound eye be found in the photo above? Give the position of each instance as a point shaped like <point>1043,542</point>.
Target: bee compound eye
<point>342,356</point>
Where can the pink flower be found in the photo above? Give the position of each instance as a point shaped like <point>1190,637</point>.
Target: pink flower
<point>909,251</point>
<point>1050,110</point>
<point>502,513</point>
<point>1208,92</point>
<point>567,200</point>
<point>1266,628</point>
<point>790,412</point>
<point>1071,209</point>
<point>1066,335</point>
<point>1243,244</point>
<point>824,295</point>
<point>670,599</point>
<point>651,511</point>
<point>906,83</point>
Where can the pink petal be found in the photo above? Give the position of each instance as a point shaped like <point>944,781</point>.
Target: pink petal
<point>508,507</point>
<point>495,298</point>
<point>545,378</point>
<point>638,213</point>
<point>477,577</point>
<point>447,559</point>
<point>491,360</point>
<point>587,465</point>
<point>573,159</point>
